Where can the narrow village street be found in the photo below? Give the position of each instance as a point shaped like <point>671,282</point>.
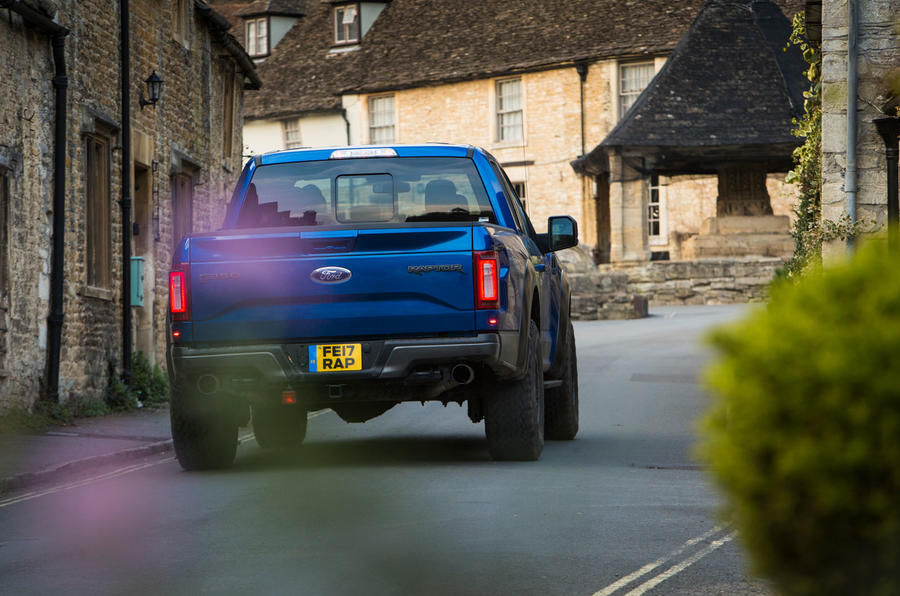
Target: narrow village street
<point>410,503</point>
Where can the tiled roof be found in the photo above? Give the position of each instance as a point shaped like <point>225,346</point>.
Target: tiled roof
<point>302,74</point>
<point>276,7</point>
<point>230,10</point>
<point>744,93</point>
<point>417,42</point>
<point>427,42</point>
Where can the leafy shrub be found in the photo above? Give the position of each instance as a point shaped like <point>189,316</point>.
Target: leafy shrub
<point>119,396</point>
<point>148,382</point>
<point>804,436</point>
<point>149,385</point>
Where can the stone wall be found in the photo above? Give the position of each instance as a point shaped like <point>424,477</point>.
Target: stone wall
<point>182,133</point>
<point>26,136</point>
<point>624,291</point>
<point>878,56</point>
<point>704,281</point>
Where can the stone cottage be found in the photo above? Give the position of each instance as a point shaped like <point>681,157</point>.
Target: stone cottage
<point>61,173</point>
<point>537,83</point>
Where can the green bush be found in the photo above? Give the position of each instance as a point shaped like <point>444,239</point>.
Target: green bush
<point>804,436</point>
<point>149,385</point>
<point>148,382</point>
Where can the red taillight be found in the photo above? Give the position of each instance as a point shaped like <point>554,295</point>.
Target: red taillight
<point>178,295</point>
<point>487,280</point>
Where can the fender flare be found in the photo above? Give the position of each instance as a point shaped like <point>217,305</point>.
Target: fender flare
<point>529,288</point>
<point>561,335</point>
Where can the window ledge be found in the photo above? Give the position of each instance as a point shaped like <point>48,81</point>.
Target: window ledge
<point>5,373</point>
<point>184,44</point>
<point>342,48</point>
<point>98,293</point>
<point>508,144</point>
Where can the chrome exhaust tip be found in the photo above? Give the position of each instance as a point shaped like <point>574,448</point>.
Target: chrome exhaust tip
<point>462,374</point>
<point>208,384</point>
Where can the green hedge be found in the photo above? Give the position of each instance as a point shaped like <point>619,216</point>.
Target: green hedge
<point>804,435</point>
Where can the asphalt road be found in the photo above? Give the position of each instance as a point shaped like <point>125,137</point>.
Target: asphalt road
<point>410,503</point>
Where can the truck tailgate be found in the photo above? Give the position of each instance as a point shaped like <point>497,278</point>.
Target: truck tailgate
<point>262,286</point>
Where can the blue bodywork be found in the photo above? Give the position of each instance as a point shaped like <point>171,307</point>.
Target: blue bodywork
<point>253,286</point>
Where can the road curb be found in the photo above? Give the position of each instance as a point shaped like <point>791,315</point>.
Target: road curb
<point>29,479</point>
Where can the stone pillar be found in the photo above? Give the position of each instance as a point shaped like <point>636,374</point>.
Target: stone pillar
<point>877,57</point>
<point>627,207</point>
<point>742,191</point>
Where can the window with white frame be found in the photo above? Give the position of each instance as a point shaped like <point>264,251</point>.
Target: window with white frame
<point>654,220</point>
<point>509,110</point>
<point>346,24</point>
<point>632,80</point>
<point>381,119</point>
<point>258,37</point>
<point>292,139</point>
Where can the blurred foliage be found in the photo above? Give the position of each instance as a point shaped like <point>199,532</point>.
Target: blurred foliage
<point>804,436</point>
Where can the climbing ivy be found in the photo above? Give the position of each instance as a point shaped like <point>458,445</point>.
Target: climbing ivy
<point>807,172</point>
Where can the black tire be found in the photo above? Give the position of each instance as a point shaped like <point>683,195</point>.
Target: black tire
<point>514,411</point>
<point>562,402</point>
<point>204,438</point>
<point>279,427</point>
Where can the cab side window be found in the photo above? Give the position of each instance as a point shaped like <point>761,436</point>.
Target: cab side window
<point>507,191</point>
<point>518,211</point>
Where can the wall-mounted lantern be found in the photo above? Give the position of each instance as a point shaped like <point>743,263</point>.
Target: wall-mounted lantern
<point>154,90</point>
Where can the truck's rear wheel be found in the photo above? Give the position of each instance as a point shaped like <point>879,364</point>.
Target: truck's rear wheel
<point>204,438</point>
<point>562,401</point>
<point>279,427</point>
<point>514,412</point>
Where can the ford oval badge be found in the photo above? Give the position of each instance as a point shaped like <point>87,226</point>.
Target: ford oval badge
<point>330,275</point>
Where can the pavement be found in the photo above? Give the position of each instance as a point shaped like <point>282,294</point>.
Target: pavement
<point>27,460</point>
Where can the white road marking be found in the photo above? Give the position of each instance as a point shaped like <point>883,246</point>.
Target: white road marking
<point>624,581</point>
<point>113,474</point>
<point>676,569</point>
<point>71,485</point>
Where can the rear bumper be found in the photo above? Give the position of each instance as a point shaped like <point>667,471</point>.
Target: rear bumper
<point>383,360</point>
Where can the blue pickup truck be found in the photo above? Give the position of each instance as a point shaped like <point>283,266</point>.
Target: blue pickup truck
<point>361,277</point>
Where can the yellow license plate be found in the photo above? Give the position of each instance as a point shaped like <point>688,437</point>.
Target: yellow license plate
<point>335,357</point>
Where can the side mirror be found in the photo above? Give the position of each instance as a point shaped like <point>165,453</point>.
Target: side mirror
<point>563,232</point>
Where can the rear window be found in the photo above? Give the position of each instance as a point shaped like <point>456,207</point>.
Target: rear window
<point>353,191</point>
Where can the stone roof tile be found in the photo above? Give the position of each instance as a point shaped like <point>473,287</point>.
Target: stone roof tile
<point>744,93</point>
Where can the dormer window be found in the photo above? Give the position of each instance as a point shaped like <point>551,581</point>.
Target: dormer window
<point>258,37</point>
<point>346,24</point>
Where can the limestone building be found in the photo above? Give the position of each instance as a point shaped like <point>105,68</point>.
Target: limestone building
<point>60,64</point>
<point>536,83</point>
<point>854,168</point>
